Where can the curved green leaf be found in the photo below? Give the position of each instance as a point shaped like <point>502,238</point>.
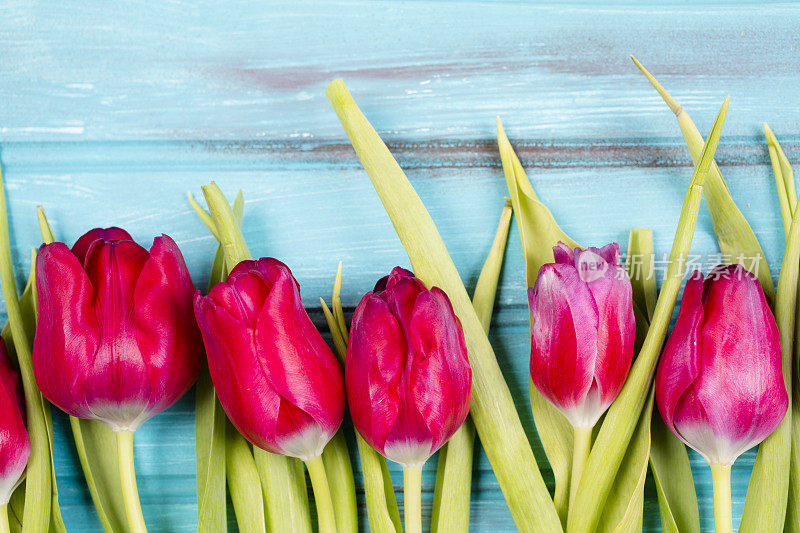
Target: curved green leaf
<point>39,477</point>
<point>342,485</point>
<point>493,410</point>
<point>736,239</point>
<point>453,488</point>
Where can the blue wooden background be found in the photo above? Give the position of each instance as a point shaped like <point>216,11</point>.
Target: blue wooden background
<point>111,111</point>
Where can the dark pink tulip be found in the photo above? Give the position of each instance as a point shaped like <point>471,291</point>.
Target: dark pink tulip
<point>15,446</point>
<point>407,373</point>
<point>116,340</point>
<point>275,376</point>
<point>582,331</point>
<point>719,384</point>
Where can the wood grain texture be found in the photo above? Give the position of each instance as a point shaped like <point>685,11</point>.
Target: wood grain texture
<point>109,113</point>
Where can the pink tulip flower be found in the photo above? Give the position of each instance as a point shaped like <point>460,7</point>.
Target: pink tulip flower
<point>275,376</point>
<point>582,331</point>
<point>116,340</point>
<point>719,384</point>
<point>407,373</point>
<point>408,376</point>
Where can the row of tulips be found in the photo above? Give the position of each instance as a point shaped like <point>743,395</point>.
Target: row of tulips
<point>121,334</point>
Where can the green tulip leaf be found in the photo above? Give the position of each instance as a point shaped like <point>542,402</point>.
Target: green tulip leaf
<point>624,512</point>
<point>736,239</point>
<point>539,232</point>
<point>211,421</point>
<point>492,409</point>
<point>244,482</point>
<point>286,502</point>
<point>453,488</point>
<point>784,179</point>
<point>339,470</point>
<point>38,508</point>
<point>669,461</point>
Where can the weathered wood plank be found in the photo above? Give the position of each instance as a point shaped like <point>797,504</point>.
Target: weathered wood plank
<point>443,69</point>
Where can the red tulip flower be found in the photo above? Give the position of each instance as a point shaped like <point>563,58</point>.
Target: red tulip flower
<point>275,376</point>
<point>719,384</point>
<point>407,374</point>
<point>116,339</point>
<point>582,334</point>
<point>15,446</point>
<point>582,331</point>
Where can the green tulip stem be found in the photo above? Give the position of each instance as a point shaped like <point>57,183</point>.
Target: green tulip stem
<point>322,494</point>
<point>580,454</point>
<point>412,498</point>
<point>4,526</point>
<point>721,475</point>
<point>127,474</point>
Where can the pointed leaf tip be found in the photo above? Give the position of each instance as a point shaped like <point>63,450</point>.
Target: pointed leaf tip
<point>710,147</point>
<point>673,104</point>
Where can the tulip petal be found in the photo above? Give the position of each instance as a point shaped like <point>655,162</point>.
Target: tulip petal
<point>81,246</point>
<point>563,253</point>
<point>401,295</point>
<point>244,392</point>
<point>440,380</point>
<point>740,412</point>
<point>166,330</point>
<point>562,364</point>
<point>610,252</point>
<point>67,330</point>
<point>680,362</point>
<point>296,360</point>
<point>118,373</point>
<point>386,282</point>
<point>616,331</point>
<point>376,356</point>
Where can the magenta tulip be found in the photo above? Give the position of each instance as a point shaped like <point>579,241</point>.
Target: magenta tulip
<point>116,340</point>
<point>582,331</point>
<point>15,446</point>
<point>275,376</point>
<point>408,376</point>
<point>719,385</point>
<point>407,373</point>
<point>582,334</point>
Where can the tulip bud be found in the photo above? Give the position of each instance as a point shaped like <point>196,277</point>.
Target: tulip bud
<point>15,446</point>
<point>719,384</point>
<point>582,331</point>
<point>116,340</point>
<point>275,376</point>
<point>407,373</point>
